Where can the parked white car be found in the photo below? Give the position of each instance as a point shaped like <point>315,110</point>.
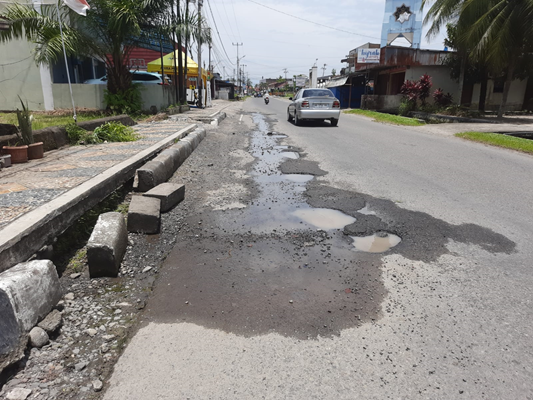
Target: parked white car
<point>146,78</point>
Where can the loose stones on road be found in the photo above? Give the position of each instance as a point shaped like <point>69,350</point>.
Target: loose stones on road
<point>18,394</point>
<point>52,322</point>
<point>38,337</point>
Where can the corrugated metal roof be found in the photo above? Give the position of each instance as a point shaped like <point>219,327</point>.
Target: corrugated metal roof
<point>337,82</point>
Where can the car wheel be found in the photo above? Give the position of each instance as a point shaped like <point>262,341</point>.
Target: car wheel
<point>334,122</point>
<point>297,121</point>
<point>289,118</point>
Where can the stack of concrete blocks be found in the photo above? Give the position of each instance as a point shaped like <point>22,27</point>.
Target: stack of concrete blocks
<point>144,213</point>
<point>28,292</point>
<point>107,245</point>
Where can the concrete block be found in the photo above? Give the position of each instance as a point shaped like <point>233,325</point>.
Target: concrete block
<point>174,153</point>
<point>170,194</point>
<point>28,292</point>
<point>150,175</point>
<point>185,147</point>
<point>167,159</point>
<point>144,214</point>
<point>107,245</point>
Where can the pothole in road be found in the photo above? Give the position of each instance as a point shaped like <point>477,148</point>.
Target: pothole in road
<point>324,218</point>
<point>376,243</point>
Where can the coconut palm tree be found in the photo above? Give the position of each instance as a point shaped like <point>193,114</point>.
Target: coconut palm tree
<point>501,33</point>
<point>111,29</point>
<point>497,33</point>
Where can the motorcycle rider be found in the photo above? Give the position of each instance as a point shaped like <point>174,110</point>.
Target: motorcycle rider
<point>266,98</point>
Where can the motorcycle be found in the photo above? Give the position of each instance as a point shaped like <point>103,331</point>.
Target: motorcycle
<point>266,100</point>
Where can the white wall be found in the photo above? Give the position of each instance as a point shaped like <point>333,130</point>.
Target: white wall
<point>515,100</point>
<point>92,96</point>
<point>440,77</point>
<point>19,76</point>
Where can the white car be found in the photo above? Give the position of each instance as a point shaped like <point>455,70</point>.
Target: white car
<point>314,104</point>
<point>146,78</point>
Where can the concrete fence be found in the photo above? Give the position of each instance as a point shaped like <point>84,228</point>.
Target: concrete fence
<point>92,96</point>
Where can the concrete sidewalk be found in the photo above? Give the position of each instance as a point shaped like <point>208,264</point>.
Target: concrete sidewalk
<point>31,192</point>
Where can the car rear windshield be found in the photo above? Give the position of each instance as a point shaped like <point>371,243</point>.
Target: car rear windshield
<point>318,93</point>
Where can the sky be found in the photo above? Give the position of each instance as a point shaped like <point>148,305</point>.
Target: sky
<point>275,37</point>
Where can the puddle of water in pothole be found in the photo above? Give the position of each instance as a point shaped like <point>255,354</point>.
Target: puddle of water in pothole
<point>375,243</point>
<point>324,218</point>
<point>279,204</point>
<point>290,154</point>
<point>300,178</point>
<point>365,211</point>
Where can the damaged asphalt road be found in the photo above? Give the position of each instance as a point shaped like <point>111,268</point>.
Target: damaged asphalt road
<point>267,292</point>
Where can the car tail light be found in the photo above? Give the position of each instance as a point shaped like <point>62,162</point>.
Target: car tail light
<point>305,104</point>
<point>336,104</point>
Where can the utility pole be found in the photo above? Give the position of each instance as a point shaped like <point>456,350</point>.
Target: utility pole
<point>243,76</point>
<point>238,70</point>
<point>324,70</point>
<point>200,77</point>
<point>223,72</point>
<point>210,47</point>
<point>285,70</point>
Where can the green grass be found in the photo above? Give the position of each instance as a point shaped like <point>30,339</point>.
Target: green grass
<point>387,118</point>
<point>41,121</point>
<point>495,139</point>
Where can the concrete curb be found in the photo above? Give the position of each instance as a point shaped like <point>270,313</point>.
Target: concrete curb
<point>27,234</point>
<point>161,168</point>
<point>28,292</point>
<point>107,245</point>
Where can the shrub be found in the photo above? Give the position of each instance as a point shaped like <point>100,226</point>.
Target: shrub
<point>424,85</point>
<point>74,132</point>
<point>441,99</point>
<point>115,132</point>
<point>406,106</point>
<point>124,102</point>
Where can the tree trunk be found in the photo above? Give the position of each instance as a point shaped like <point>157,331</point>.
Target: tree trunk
<point>506,87</point>
<point>462,78</point>
<point>185,72</point>
<point>483,92</point>
<point>180,57</point>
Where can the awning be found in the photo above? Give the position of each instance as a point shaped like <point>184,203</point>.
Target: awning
<point>337,82</point>
<point>169,61</point>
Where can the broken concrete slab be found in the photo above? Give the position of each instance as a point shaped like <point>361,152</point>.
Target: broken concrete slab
<point>170,194</point>
<point>107,245</point>
<point>28,292</point>
<point>144,214</point>
<point>173,152</point>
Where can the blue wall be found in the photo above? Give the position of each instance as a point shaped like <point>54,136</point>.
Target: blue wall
<point>343,94</point>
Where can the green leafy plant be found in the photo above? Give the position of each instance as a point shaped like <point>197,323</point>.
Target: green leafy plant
<point>406,106</point>
<point>25,132</point>
<point>74,132</point>
<point>115,132</point>
<point>127,101</point>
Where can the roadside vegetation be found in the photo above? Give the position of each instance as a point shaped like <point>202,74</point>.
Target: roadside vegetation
<point>386,118</point>
<point>43,120</point>
<point>496,139</point>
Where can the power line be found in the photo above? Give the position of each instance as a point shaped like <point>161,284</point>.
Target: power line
<point>218,33</point>
<point>312,22</point>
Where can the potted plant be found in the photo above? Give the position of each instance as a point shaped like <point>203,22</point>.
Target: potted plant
<point>25,135</point>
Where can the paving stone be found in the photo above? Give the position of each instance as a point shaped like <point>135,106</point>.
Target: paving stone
<point>144,214</point>
<point>169,193</point>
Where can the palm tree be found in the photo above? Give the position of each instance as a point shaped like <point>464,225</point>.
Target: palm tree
<point>111,29</point>
<point>501,33</point>
<point>496,33</point>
